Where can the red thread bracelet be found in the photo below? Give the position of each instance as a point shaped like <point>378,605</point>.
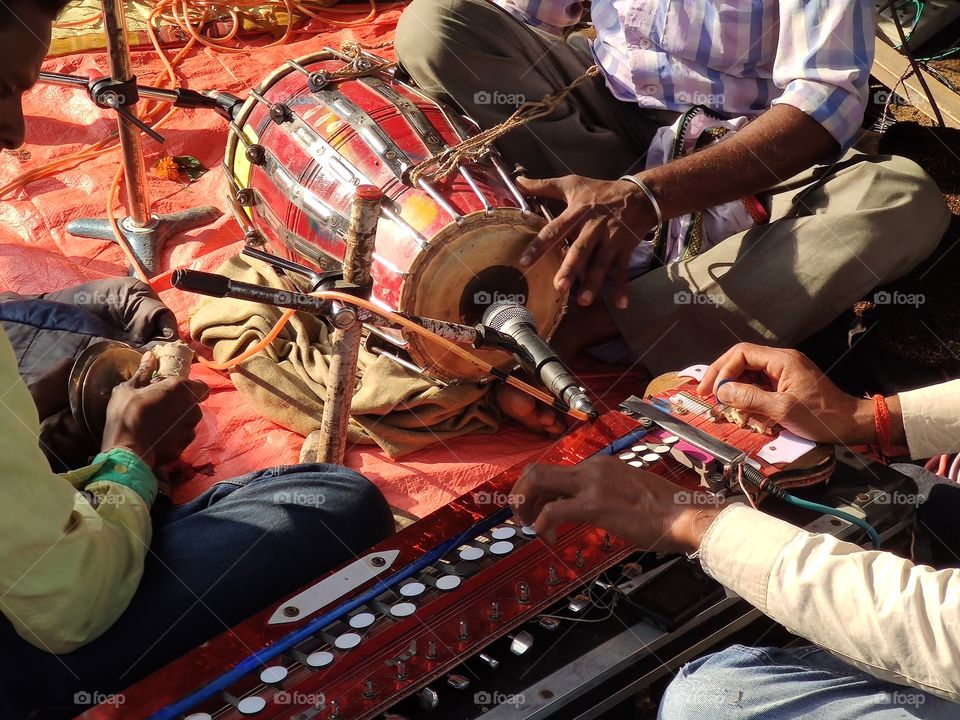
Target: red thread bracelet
<point>881,421</point>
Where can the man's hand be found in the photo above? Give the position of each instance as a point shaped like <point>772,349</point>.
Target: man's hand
<point>637,505</point>
<point>795,393</point>
<point>154,420</point>
<point>608,219</point>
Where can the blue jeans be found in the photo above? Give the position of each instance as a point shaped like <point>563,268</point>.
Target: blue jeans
<point>745,683</point>
<point>214,561</point>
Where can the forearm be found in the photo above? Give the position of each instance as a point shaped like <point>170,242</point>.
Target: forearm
<point>780,143</point>
<point>895,620</point>
<point>859,427</point>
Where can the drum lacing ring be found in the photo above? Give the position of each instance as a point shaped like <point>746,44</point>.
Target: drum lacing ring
<point>358,65</point>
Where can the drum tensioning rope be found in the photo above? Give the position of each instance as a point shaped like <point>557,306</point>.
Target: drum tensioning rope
<point>441,166</point>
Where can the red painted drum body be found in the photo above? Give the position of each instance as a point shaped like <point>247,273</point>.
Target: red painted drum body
<point>306,139</point>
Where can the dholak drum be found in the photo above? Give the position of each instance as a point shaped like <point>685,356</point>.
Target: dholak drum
<point>307,137</point>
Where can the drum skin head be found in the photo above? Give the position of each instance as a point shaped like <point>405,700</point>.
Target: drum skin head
<point>470,266</point>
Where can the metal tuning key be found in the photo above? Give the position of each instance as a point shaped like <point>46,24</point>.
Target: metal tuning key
<point>521,642</point>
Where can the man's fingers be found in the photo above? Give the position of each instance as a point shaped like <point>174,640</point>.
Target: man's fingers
<point>148,366</point>
<point>200,390</point>
<point>197,391</point>
<point>539,484</point>
<point>578,255</point>
<point>553,188</point>
<point>600,265</point>
<point>752,399</point>
<point>554,514</point>
<point>737,360</point>
<point>620,276</point>
<point>194,416</point>
<point>551,234</point>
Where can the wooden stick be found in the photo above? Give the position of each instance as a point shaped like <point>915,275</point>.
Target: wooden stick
<point>342,375</point>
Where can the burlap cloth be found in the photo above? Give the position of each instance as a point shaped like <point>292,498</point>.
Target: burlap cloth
<point>392,407</point>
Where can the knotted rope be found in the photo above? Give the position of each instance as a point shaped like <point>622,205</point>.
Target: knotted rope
<point>360,65</point>
<point>444,164</point>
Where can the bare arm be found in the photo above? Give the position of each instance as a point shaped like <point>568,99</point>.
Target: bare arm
<point>607,219</point>
<point>773,148</point>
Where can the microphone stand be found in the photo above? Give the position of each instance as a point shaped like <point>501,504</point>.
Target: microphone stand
<point>144,231</point>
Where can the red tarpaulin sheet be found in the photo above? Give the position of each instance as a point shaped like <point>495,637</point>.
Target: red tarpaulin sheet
<point>36,255</point>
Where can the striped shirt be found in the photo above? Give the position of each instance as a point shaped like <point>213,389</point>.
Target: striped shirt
<point>736,57</point>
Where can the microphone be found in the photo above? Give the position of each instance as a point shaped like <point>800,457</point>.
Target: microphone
<point>517,322</point>
<point>215,285</point>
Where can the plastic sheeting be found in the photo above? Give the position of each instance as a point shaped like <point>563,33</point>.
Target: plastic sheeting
<point>37,255</point>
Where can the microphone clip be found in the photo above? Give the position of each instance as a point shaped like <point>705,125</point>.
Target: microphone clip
<point>487,337</point>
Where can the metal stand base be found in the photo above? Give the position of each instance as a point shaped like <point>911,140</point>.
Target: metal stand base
<point>147,242</point>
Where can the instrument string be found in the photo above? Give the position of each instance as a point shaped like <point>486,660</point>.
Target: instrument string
<point>704,417</point>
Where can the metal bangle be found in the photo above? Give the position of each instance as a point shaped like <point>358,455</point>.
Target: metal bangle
<point>650,196</point>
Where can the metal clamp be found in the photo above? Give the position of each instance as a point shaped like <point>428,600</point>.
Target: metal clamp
<point>116,95</point>
<point>732,469</point>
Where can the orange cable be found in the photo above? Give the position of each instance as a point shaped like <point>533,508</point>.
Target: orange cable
<point>160,10</point>
<point>407,324</point>
<point>78,23</point>
<point>258,347</point>
<point>340,23</point>
<point>186,25</point>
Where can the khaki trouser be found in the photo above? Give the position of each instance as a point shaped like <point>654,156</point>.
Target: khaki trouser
<point>836,232</point>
